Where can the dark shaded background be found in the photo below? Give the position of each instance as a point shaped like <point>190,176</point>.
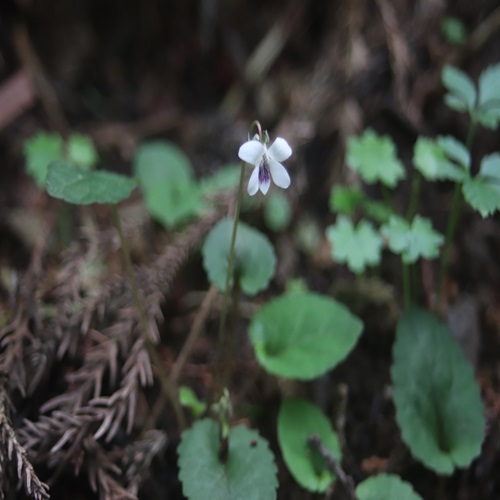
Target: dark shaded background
<point>197,73</point>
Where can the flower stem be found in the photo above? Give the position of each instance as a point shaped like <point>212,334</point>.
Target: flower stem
<point>222,354</point>
<point>169,389</point>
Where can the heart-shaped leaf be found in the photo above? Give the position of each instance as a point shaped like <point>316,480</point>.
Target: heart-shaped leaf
<point>249,472</point>
<point>166,179</point>
<point>254,261</point>
<point>82,187</point>
<point>437,399</point>
<point>40,151</point>
<point>386,487</point>
<point>81,151</point>
<point>302,335</point>
<point>298,421</point>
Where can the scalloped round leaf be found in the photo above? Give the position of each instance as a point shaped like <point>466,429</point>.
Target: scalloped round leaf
<point>462,91</point>
<point>249,473</point>
<point>277,211</point>
<point>412,241</point>
<point>374,157</point>
<point>437,399</point>
<point>40,151</point>
<point>83,187</point>
<point>483,191</point>
<point>254,260</point>
<point>386,487</point>
<point>302,335</point>
<point>358,247</point>
<point>166,179</point>
<point>298,420</point>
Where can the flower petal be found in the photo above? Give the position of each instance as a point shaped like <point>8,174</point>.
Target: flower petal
<point>264,186</point>
<point>280,150</point>
<point>253,183</point>
<point>279,174</point>
<point>251,152</point>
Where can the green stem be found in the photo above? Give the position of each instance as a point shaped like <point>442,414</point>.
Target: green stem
<point>406,285</point>
<point>168,387</point>
<point>415,191</point>
<point>387,197</point>
<point>222,357</point>
<point>456,211</point>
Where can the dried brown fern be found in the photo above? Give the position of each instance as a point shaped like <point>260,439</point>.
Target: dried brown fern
<point>13,457</point>
<point>102,393</point>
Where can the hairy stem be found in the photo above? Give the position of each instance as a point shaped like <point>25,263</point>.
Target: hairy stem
<point>168,387</point>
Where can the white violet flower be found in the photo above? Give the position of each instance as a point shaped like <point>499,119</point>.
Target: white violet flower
<point>267,164</point>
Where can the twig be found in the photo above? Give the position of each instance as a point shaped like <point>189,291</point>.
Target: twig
<point>199,320</point>
<point>333,466</point>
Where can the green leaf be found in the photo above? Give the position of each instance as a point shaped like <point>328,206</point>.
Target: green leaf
<point>81,150</point>
<point>412,241</point>
<point>224,179</point>
<point>454,30</point>
<point>377,210</point>
<point>189,399</point>
<point>277,211</point>
<point>40,151</point>
<point>438,402</point>
<point>374,157</point>
<point>358,247</point>
<point>461,89</point>
<point>302,335</point>
<point>82,187</point>
<point>386,487</point>
<point>345,199</point>
<point>166,179</point>
<point>488,112</point>
<point>455,151</point>
<point>249,473</point>
<point>254,260</point>
<point>483,190</point>
<point>489,117</point>
<point>298,420</point>
<point>489,86</point>
<point>432,159</point>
